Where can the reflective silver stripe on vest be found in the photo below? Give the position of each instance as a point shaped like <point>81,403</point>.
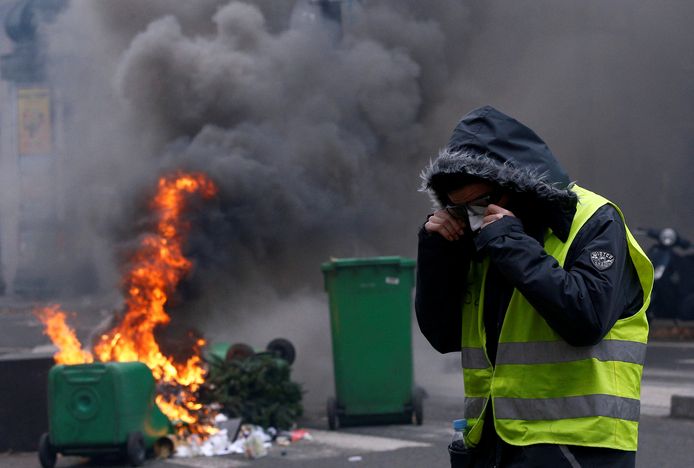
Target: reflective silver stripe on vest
<point>529,409</point>
<point>474,358</point>
<point>473,407</point>
<point>547,352</point>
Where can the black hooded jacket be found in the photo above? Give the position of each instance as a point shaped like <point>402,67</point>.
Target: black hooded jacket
<point>579,301</point>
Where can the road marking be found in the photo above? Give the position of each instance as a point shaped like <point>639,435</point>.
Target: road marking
<point>656,397</point>
<point>674,375</point>
<point>345,440</point>
<point>207,462</point>
<point>670,344</point>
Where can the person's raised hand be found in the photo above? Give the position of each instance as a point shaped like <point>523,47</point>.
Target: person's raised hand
<point>494,213</point>
<point>443,223</point>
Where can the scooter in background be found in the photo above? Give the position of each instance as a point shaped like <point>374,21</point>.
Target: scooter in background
<point>673,287</point>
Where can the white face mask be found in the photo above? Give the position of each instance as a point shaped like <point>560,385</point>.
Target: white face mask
<point>475,215</point>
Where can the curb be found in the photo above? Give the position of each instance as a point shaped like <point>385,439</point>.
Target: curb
<point>682,406</point>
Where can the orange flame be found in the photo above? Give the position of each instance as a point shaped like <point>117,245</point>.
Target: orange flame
<point>69,347</point>
<point>155,270</point>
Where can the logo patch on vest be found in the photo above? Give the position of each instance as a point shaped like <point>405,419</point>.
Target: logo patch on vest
<point>602,260</point>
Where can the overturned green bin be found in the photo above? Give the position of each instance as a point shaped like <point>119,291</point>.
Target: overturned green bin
<point>370,320</point>
<point>102,408</point>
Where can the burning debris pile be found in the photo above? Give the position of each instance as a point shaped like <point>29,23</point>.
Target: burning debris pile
<point>154,271</point>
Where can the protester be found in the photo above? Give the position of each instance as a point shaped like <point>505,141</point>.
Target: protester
<point>543,290</point>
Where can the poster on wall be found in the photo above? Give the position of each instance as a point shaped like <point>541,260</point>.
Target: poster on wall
<point>35,132</point>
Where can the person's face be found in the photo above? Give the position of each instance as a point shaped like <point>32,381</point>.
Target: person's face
<point>479,194</point>
<point>470,192</point>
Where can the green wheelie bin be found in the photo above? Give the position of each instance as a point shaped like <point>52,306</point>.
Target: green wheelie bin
<point>370,320</point>
<point>101,408</point>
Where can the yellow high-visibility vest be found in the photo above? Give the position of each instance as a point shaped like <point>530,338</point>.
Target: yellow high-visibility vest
<point>542,389</point>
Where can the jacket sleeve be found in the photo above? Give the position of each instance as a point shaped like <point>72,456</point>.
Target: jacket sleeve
<point>442,266</point>
<point>580,301</point>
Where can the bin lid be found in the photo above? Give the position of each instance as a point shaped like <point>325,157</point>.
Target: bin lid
<point>335,263</point>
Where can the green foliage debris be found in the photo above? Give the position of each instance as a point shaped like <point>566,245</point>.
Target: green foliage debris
<point>257,389</point>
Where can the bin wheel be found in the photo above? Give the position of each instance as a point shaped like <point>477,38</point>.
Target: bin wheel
<point>418,406</point>
<point>239,351</point>
<point>163,448</point>
<point>47,453</point>
<point>333,420</point>
<point>135,448</point>
<point>283,349</point>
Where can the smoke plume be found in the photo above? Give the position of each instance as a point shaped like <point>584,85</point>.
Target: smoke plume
<point>314,135</point>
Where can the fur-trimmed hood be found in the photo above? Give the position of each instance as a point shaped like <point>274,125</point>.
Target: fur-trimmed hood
<point>488,144</point>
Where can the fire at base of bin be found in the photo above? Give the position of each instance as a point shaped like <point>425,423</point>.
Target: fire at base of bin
<point>256,388</point>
